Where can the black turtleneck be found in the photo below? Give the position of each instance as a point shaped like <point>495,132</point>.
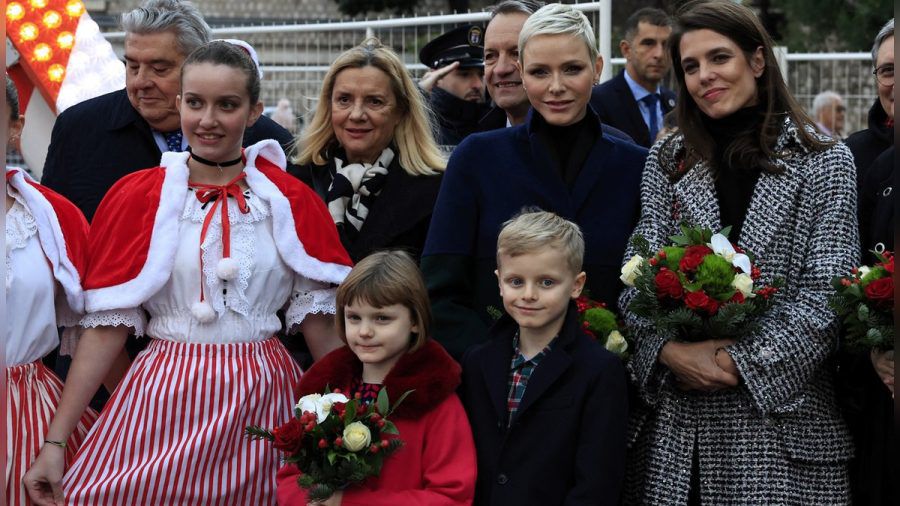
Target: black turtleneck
<point>569,145</point>
<point>735,182</point>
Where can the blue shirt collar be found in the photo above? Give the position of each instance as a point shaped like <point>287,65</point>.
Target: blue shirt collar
<point>637,90</point>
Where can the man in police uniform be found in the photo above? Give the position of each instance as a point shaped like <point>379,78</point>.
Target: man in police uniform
<point>455,83</point>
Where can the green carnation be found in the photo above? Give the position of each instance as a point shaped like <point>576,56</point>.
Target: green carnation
<point>715,274</point>
<point>674,254</point>
<point>873,274</point>
<point>601,321</point>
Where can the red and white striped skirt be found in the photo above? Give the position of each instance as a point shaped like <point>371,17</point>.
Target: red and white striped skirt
<point>32,394</point>
<point>173,431</point>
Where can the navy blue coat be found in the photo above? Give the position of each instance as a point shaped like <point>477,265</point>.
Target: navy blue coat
<point>566,442</point>
<point>491,176</point>
<point>616,106</point>
<point>98,141</point>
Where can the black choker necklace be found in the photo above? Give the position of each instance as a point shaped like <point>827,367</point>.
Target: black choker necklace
<point>220,165</point>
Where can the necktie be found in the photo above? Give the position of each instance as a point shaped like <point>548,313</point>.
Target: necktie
<point>173,140</point>
<point>650,101</point>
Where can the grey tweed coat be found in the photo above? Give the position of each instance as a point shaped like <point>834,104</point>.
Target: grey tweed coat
<point>776,438</point>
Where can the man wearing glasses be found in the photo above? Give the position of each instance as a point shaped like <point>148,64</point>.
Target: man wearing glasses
<point>867,144</point>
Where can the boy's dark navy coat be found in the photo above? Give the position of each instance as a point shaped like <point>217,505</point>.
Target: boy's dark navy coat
<point>566,443</point>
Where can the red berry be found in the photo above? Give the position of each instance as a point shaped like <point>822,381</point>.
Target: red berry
<point>310,426</point>
<point>384,443</point>
<point>375,417</point>
<point>357,395</point>
<point>374,448</point>
<point>323,443</point>
<point>380,423</point>
<point>336,391</point>
<point>653,262</point>
<point>662,254</point>
<point>338,441</point>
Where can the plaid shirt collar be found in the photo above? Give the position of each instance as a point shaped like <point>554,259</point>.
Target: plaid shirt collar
<point>520,370</point>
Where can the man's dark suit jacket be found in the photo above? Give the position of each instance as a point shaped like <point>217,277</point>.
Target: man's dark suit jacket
<point>616,106</point>
<point>98,141</point>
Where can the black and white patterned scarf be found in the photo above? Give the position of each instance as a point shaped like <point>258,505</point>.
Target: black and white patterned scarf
<point>353,191</point>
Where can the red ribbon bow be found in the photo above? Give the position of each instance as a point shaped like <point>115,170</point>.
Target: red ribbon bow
<point>219,194</point>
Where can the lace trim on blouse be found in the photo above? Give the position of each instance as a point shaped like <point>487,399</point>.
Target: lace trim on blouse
<point>134,318</point>
<point>308,302</point>
<point>243,249</point>
<point>20,227</point>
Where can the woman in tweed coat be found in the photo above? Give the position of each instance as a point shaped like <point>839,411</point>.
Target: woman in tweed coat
<point>751,421</point>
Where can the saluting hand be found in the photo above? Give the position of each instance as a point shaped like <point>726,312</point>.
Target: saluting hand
<point>431,78</point>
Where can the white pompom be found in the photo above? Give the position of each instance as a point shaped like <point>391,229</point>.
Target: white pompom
<point>227,269</point>
<point>203,312</point>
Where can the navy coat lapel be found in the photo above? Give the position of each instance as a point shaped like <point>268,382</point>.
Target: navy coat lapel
<point>552,366</point>
<point>597,167</point>
<point>497,357</point>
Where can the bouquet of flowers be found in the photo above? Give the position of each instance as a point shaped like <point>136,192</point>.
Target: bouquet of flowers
<point>335,441</point>
<point>701,287</point>
<point>600,323</point>
<point>864,300</point>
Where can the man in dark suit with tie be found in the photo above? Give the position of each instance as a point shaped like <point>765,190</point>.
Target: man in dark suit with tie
<point>634,101</point>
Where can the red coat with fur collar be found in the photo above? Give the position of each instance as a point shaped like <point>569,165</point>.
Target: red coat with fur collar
<point>436,465</point>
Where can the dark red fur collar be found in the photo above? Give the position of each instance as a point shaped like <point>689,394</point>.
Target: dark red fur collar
<point>429,371</point>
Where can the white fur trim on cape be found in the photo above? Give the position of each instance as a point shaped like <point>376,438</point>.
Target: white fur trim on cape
<point>163,244</point>
<point>164,237</point>
<point>283,228</point>
<point>52,240</point>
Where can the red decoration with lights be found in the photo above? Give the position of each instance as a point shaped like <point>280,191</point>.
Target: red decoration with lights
<point>43,32</point>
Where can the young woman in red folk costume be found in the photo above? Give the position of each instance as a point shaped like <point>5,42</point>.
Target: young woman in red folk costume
<point>46,239</point>
<point>211,245</point>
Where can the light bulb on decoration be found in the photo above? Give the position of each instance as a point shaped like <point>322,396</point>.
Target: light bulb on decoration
<point>52,19</point>
<point>56,72</point>
<point>38,4</point>
<point>15,11</point>
<point>42,52</point>
<point>65,40</point>
<point>28,32</point>
<point>75,8</point>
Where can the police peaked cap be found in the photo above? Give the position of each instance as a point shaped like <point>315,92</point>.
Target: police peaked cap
<point>464,44</point>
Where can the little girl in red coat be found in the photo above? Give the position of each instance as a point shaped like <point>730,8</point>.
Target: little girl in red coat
<point>384,314</point>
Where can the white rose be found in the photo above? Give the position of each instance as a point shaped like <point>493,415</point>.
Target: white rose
<point>356,436</point>
<point>744,284</point>
<point>631,269</point>
<point>309,403</point>
<point>326,402</point>
<point>616,343</point>
<point>320,405</point>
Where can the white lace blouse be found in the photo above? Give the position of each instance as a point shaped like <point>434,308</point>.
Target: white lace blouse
<point>35,304</point>
<point>245,307</point>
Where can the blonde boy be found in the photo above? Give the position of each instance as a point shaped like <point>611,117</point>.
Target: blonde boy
<point>547,403</point>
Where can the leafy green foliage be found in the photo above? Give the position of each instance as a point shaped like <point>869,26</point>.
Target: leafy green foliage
<point>867,323</point>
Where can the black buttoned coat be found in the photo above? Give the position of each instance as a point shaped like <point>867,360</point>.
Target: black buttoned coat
<point>566,442</point>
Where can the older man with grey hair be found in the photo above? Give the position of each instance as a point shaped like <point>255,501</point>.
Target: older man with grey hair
<point>98,141</point>
<point>867,144</point>
<point>828,111</point>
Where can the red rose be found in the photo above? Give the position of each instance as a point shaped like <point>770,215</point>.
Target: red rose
<point>699,301</point>
<point>737,298</point>
<point>693,257</point>
<point>881,291</point>
<point>889,265</point>
<point>289,437</point>
<point>668,284</point>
